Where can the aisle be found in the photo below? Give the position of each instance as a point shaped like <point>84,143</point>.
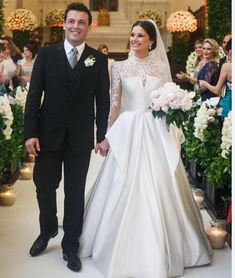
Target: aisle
<point>19,228</point>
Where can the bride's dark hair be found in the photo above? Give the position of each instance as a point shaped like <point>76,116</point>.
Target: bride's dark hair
<point>149,29</point>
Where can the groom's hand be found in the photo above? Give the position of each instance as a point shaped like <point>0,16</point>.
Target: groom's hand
<point>102,147</point>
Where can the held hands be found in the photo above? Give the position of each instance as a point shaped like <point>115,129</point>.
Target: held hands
<point>102,147</point>
<point>32,146</point>
<point>183,76</point>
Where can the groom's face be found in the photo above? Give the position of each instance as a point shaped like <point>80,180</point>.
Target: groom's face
<point>76,27</point>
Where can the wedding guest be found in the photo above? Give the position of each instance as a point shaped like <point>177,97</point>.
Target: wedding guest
<point>199,62</point>
<point>25,65</point>
<point>224,59</point>
<point>224,82</point>
<point>15,52</point>
<point>8,67</point>
<point>210,71</point>
<point>104,49</point>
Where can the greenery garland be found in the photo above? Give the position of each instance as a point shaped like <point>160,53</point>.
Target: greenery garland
<point>219,18</point>
<point>1,17</point>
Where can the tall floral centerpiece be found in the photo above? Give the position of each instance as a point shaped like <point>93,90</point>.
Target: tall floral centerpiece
<point>180,24</point>
<point>21,22</point>
<point>149,14</point>
<point>55,20</point>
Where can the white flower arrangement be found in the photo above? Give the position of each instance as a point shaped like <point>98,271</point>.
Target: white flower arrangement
<point>22,20</point>
<point>55,18</point>
<point>21,95</point>
<point>154,15</point>
<point>171,102</point>
<point>226,136</point>
<point>7,115</point>
<point>191,63</point>
<point>90,61</point>
<point>205,115</point>
<point>181,21</point>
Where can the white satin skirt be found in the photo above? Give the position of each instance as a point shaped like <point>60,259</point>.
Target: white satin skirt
<point>141,220</point>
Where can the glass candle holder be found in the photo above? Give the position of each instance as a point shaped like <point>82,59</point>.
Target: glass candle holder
<point>198,195</point>
<point>217,235</point>
<point>7,195</point>
<point>26,172</point>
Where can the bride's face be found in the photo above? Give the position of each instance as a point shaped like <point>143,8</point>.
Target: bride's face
<point>139,40</point>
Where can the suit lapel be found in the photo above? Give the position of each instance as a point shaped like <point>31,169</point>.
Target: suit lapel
<point>61,61</point>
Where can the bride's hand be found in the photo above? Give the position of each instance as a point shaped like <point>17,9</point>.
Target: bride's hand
<point>102,147</point>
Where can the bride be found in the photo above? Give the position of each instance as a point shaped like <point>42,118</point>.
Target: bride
<point>140,219</point>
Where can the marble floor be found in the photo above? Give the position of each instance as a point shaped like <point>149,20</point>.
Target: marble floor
<point>19,228</point>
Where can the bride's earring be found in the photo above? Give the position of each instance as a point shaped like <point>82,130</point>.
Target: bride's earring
<point>150,46</point>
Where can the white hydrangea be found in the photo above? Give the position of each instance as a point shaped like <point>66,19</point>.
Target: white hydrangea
<point>6,112</point>
<point>227,135</point>
<point>205,115</point>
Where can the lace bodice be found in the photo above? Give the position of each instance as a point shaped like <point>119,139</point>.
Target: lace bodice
<point>134,79</point>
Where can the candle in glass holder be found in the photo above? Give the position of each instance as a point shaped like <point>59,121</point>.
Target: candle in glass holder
<point>26,172</point>
<point>31,158</point>
<point>29,164</point>
<point>7,195</point>
<point>217,237</point>
<point>198,195</point>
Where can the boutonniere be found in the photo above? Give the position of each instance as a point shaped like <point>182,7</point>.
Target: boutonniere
<point>90,60</point>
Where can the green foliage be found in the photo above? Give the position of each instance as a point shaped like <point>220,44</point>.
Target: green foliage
<point>208,153</point>
<point>219,18</point>
<point>12,149</point>
<point>180,48</point>
<point>173,116</point>
<point>21,38</point>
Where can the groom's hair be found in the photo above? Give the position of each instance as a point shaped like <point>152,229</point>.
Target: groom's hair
<point>149,28</point>
<point>79,7</point>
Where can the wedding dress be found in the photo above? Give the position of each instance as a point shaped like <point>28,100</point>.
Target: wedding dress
<point>140,218</point>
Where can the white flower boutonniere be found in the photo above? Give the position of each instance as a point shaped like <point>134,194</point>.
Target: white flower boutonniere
<point>90,60</point>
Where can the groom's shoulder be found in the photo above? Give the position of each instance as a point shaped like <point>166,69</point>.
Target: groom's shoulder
<point>96,52</point>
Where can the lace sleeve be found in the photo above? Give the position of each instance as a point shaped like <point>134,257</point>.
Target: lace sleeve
<point>166,76</point>
<point>116,90</point>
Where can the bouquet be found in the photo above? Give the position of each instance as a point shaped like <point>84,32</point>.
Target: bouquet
<point>172,103</point>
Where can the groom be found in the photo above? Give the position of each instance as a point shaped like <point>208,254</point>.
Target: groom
<point>59,127</point>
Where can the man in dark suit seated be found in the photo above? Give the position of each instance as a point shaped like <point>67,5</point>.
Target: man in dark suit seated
<point>59,128</point>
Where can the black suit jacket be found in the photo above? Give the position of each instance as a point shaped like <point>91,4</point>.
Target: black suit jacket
<point>55,106</point>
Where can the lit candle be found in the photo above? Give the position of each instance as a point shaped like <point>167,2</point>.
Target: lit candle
<point>198,195</point>
<point>26,172</point>
<point>217,237</point>
<point>7,195</point>
<point>31,158</point>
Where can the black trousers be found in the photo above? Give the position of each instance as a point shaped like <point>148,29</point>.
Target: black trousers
<point>47,176</point>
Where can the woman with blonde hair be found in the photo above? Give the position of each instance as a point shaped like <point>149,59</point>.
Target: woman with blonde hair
<point>210,71</point>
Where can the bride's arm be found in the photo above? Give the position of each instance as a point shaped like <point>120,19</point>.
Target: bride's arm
<point>116,93</point>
